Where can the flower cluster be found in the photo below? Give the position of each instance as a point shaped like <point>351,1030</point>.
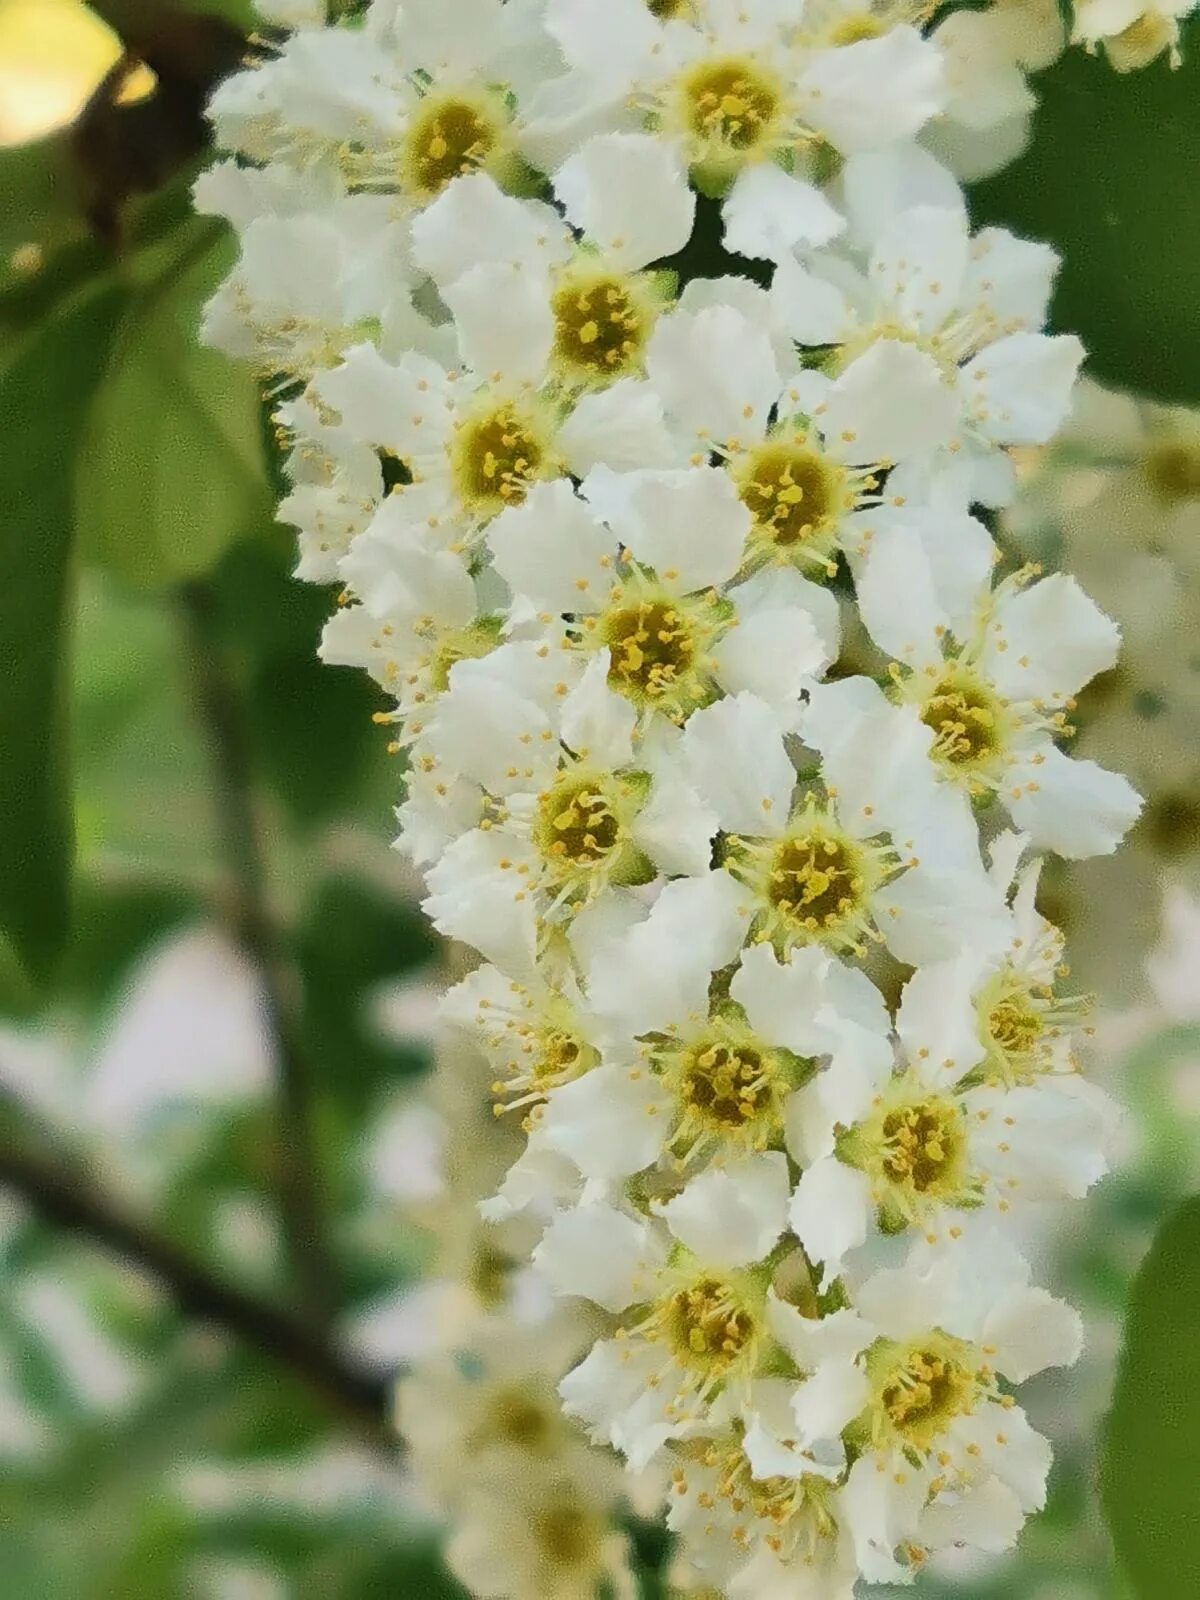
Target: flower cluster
<point>644,387</point>
<point>530,1509</point>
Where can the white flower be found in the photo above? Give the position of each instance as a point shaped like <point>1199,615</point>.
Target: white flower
<point>920,1397</point>
<point>937,341</point>
<point>1133,34</point>
<point>735,90</point>
<point>994,684</point>
<point>474,444</point>
<point>639,571</point>
<point>926,1144</point>
<point>714,1079</point>
<point>697,1314</point>
<point>819,871</point>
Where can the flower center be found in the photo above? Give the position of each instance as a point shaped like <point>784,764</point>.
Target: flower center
<point>794,496</point>
<point>497,453</point>
<point>708,1326</point>
<point>448,136</point>
<point>727,1084</point>
<point>923,1145</point>
<point>854,28</point>
<point>1013,1026</point>
<point>577,822</point>
<point>924,1387</point>
<point>664,10</point>
<point>567,1534</point>
<point>731,111</point>
<point>515,1417</point>
<point>814,883</point>
<point>601,325</point>
<point>966,719</point>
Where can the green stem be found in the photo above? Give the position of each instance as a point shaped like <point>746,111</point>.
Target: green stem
<point>220,711</point>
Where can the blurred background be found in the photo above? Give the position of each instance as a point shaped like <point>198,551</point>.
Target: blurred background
<point>219,1183</point>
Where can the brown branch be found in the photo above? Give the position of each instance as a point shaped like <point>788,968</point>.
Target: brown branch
<point>221,713</point>
<point>71,1201</point>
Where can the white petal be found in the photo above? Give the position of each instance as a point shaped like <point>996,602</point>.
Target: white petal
<point>483,731</point>
<point>831,1212</point>
<point>937,1021</point>
<point>919,264</point>
<point>873,93</point>
<point>656,975</point>
<point>474,221</point>
<point>986,1517</point>
<point>715,371</point>
<point>1074,808</point>
<point>732,1216</point>
<point>1016,391</point>
<point>812,1340</point>
<point>784,589</point>
<point>689,525</point>
<point>471,898</point>
<point>1031,1331</point>
<point>737,763</point>
<point>813,310</point>
<point>793,1002</point>
<point>898,596</point>
<point>829,1401</point>
<point>622,427</point>
<point>596,723</point>
<point>772,654</point>
<point>1055,639</point>
<point>675,828</point>
<point>878,184</point>
<point>1012,278</point>
<point>629,193</point>
<point>882,1510</point>
<point>600,1254</point>
<point>768,214</point>
<point>552,550</point>
<point>402,407</point>
<point>610,1123</point>
<point>891,402</point>
<point>503,322</point>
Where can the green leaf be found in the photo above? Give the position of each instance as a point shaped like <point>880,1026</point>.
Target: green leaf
<point>1110,180</point>
<point>40,208</point>
<point>172,471</point>
<point>43,402</point>
<point>356,937</point>
<point>1151,1462</point>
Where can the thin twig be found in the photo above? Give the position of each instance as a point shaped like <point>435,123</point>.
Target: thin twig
<point>70,1200</point>
<point>221,713</point>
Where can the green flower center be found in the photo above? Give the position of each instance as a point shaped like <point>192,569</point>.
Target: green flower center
<point>449,135</point>
<point>730,107</point>
<point>709,1327</point>
<point>497,453</point>
<point>601,325</point>
<point>965,717</point>
<point>926,1389</point>
<point>923,1145</point>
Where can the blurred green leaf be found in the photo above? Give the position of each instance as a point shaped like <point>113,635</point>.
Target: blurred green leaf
<point>172,469</point>
<point>39,205</point>
<point>44,397</point>
<point>1109,179</point>
<point>355,937</point>
<point>1151,1464</point>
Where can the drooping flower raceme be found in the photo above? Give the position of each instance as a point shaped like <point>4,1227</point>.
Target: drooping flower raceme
<point>622,351</point>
